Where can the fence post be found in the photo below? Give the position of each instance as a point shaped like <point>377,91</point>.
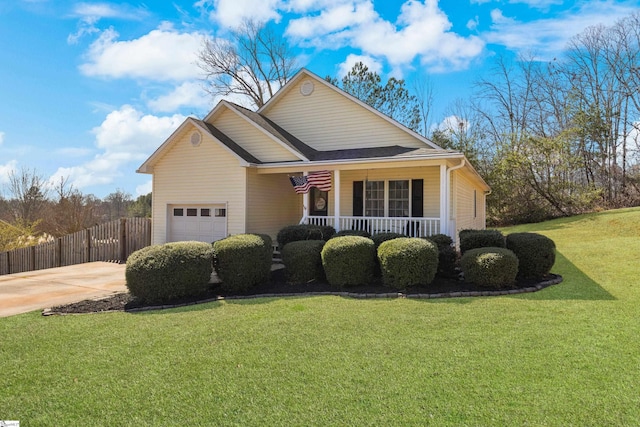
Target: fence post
<point>123,239</point>
<point>58,252</point>
<point>32,257</point>
<point>87,248</point>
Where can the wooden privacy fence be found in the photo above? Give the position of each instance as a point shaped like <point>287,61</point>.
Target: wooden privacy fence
<point>113,241</point>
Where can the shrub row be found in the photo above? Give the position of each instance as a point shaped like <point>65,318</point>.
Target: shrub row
<point>162,273</point>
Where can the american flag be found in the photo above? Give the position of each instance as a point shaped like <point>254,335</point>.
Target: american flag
<point>321,180</point>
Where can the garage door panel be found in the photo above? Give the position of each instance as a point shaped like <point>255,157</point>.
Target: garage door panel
<point>197,223</point>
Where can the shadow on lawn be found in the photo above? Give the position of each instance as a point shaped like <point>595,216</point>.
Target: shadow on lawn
<point>576,285</point>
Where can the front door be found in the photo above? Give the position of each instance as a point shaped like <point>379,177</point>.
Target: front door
<point>319,202</point>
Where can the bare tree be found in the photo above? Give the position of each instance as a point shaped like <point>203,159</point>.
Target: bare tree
<point>29,191</point>
<point>254,63</point>
<point>423,90</point>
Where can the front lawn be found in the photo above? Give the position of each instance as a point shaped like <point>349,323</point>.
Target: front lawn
<point>567,355</point>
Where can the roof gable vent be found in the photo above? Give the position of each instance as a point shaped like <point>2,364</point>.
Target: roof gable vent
<point>196,138</point>
<point>306,88</point>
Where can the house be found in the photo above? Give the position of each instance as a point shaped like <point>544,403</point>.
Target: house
<point>230,173</point>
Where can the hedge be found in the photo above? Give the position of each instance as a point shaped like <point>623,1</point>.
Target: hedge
<point>536,254</point>
<point>348,260</point>
<point>294,233</point>
<point>302,260</point>
<point>161,273</point>
<point>471,239</point>
<point>492,267</point>
<point>408,261</point>
<point>361,233</point>
<point>379,238</point>
<point>243,260</point>
<point>447,255</point>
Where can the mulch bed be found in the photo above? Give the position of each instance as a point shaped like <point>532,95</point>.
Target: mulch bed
<point>278,287</point>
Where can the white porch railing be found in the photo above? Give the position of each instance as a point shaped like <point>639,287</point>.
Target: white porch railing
<point>414,227</point>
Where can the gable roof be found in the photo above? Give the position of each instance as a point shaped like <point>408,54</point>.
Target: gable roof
<point>305,153</point>
<point>208,129</point>
<point>304,73</point>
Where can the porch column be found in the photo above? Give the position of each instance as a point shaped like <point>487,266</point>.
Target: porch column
<point>305,202</point>
<point>336,199</point>
<point>444,200</point>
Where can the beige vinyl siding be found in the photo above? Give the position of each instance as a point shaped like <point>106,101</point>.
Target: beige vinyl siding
<point>251,138</point>
<point>326,120</point>
<point>464,204</point>
<point>271,203</point>
<point>430,175</point>
<point>206,174</point>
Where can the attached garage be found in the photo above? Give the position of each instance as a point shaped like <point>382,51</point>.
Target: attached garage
<point>203,223</point>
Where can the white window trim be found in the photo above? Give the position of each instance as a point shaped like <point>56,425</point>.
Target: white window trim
<point>386,195</point>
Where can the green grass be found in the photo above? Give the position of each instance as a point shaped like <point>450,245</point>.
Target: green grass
<point>567,355</point>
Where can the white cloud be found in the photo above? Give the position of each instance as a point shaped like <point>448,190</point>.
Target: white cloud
<point>370,62</point>
<point>452,124</point>
<point>6,169</point>
<point>537,4</point>
<point>144,189</point>
<point>232,13</point>
<point>188,94</point>
<point>125,138</point>
<point>91,13</point>
<point>163,54</point>
<point>547,38</point>
<point>421,31</point>
<point>1,137</point>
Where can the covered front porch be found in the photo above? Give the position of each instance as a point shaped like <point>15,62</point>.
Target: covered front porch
<point>412,199</point>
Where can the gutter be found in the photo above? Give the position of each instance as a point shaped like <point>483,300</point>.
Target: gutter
<point>365,160</point>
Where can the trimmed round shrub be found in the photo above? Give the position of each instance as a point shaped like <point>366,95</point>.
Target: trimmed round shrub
<point>492,267</point>
<point>408,261</point>
<point>294,233</point>
<point>361,233</point>
<point>379,238</point>
<point>471,239</point>
<point>348,260</point>
<point>447,255</point>
<point>243,260</point>
<point>161,273</point>
<point>302,260</point>
<point>536,254</point>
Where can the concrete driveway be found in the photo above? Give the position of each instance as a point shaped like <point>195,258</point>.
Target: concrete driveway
<point>36,290</point>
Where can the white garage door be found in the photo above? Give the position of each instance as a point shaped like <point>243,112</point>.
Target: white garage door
<point>203,223</point>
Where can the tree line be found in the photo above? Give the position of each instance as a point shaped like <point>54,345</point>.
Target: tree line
<point>33,209</point>
<point>552,138</point>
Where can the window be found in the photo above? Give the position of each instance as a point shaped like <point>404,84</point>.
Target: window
<point>399,198</point>
<point>374,198</point>
<point>394,198</point>
<point>205,212</point>
<point>220,212</point>
<point>178,212</point>
<point>192,212</point>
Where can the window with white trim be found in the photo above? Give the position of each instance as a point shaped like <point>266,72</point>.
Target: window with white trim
<point>374,198</point>
<point>390,198</point>
<point>399,198</point>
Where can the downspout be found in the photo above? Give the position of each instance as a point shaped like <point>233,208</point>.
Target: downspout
<point>448,190</point>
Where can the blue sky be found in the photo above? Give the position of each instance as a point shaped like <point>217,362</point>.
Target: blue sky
<point>88,90</point>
